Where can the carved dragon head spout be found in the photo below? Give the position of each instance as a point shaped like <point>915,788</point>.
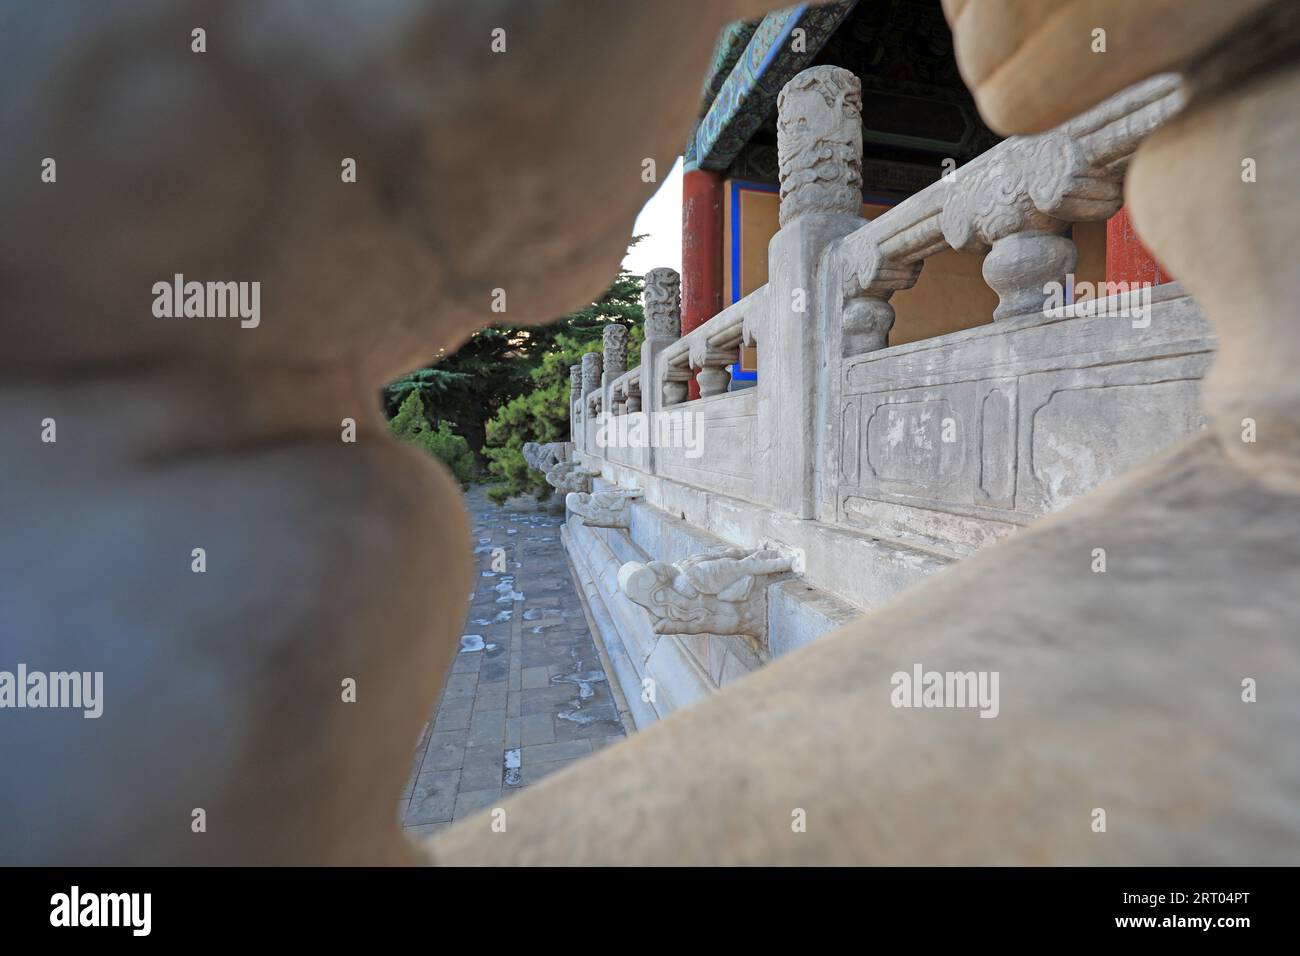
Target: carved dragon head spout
<point>603,509</point>
<point>545,457</point>
<point>570,476</point>
<point>720,592</point>
<point>650,585</point>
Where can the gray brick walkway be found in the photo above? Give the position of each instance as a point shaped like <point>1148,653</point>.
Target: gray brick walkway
<point>527,694</point>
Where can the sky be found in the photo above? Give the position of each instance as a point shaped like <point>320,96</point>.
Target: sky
<point>661,222</point>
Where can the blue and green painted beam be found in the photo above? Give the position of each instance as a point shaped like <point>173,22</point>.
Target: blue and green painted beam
<point>747,96</point>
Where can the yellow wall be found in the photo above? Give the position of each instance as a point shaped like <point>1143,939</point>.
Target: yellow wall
<point>758,224</point>
<point>950,294</point>
<point>1090,237</point>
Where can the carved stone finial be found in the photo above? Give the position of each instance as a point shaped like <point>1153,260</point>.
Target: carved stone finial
<point>615,342</point>
<point>663,304</point>
<point>819,143</point>
<point>591,369</point>
<point>603,509</point>
<point>721,592</point>
<point>575,383</point>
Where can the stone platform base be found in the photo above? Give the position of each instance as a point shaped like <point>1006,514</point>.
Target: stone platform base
<point>662,673</point>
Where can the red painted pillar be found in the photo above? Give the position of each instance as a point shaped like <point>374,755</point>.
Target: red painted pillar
<point>1127,259</point>
<point>701,251</point>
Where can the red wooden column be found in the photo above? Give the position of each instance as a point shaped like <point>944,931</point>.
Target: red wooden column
<point>701,251</point>
<point>1127,259</point>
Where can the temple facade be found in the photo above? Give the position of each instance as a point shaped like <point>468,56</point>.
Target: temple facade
<point>919,123</point>
<point>932,359</point>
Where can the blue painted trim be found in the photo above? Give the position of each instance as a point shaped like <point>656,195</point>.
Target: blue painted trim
<point>736,186</point>
<point>793,15</point>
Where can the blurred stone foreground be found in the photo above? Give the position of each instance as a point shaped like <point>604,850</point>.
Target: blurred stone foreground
<point>480,171</point>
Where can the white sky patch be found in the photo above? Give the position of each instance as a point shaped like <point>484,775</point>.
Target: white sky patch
<point>660,221</point>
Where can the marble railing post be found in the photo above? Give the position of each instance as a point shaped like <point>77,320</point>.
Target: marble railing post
<point>575,393</point>
<point>614,340</point>
<point>819,146</point>
<point>663,326</point>
<point>591,371</point>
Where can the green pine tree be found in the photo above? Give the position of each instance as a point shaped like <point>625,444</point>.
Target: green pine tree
<point>411,426</point>
<point>541,414</point>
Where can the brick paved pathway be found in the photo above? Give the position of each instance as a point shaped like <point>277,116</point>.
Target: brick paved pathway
<point>527,694</point>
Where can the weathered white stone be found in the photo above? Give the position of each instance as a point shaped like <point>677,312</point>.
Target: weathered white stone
<point>614,341</point>
<point>663,304</point>
<point>591,371</point>
<point>717,593</point>
<point>545,457</point>
<point>575,383</point>
<point>570,476</point>
<point>602,509</point>
<point>819,143</point>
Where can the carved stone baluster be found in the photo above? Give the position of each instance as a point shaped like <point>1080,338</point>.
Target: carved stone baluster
<point>988,210</point>
<point>1017,206</point>
<point>633,403</point>
<point>868,316</point>
<point>712,363</point>
<point>677,380</point>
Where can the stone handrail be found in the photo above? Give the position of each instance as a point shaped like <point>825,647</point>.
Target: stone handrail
<point>711,347</point>
<point>1014,202</point>
<point>626,392</point>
